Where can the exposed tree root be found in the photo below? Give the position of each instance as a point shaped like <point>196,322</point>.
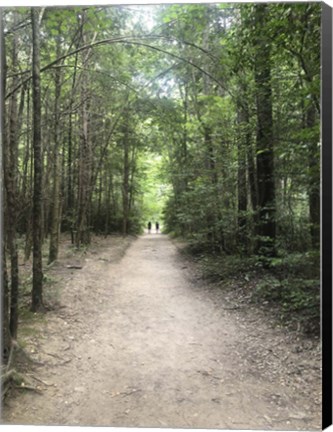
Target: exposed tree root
<point>28,387</point>
<point>14,379</point>
<point>16,350</point>
<point>10,377</point>
<point>39,380</point>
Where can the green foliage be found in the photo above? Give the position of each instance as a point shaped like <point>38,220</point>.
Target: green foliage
<point>291,286</point>
<point>154,188</point>
<point>227,267</point>
<point>297,298</point>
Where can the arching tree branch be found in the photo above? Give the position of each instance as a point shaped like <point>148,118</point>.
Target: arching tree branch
<point>124,40</point>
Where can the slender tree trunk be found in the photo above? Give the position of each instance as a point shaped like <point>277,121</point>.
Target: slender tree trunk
<point>83,232</point>
<point>70,175</point>
<point>37,266</point>
<point>26,154</point>
<point>126,173</point>
<point>47,139</point>
<point>108,188</point>
<point>6,333</point>
<point>99,201</point>
<point>132,178</point>
<point>6,337</point>
<point>252,176</point>
<point>314,178</point>
<point>11,174</point>
<point>253,188</point>
<point>56,193</point>
<point>212,214</point>
<point>27,185</point>
<point>184,140</point>
<point>242,143</point>
<point>28,238</point>
<point>70,189</point>
<point>12,214</point>
<point>85,161</point>
<point>214,236</point>
<point>18,132</point>
<point>265,149</point>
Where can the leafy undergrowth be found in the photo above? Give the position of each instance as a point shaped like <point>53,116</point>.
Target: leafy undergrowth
<point>289,287</point>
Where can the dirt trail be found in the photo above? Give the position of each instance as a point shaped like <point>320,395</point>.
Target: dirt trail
<point>142,344</point>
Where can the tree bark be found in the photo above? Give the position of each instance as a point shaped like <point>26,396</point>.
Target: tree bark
<point>6,337</point>
<point>12,206</point>
<point>314,177</point>
<point>27,153</point>
<point>126,174</point>
<point>242,143</point>
<point>56,193</point>
<point>252,176</point>
<point>10,153</point>
<point>70,158</point>
<point>132,179</point>
<point>265,149</point>
<point>83,232</point>
<point>85,161</point>
<point>37,266</point>
<point>27,185</point>
<point>108,188</point>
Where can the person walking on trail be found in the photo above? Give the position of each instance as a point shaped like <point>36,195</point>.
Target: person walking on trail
<point>149,227</point>
<point>157,226</point>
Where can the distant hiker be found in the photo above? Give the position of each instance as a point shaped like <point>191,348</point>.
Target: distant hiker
<point>149,227</point>
<point>157,226</point>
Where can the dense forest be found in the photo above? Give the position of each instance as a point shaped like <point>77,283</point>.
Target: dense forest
<point>205,117</point>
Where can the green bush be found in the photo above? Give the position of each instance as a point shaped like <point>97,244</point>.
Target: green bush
<point>291,282</point>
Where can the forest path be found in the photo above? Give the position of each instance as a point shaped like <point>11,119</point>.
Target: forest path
<point>140,343</point>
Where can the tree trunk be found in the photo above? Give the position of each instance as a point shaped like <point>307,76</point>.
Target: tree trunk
<point>47,138</point>
<point>85,161</point>
<point>70,176</point>
<point>27,185</point>
<point>126,174</point>
<point>10,153</point>
<point>83,232</point>
<point>56,193</point>
<point>37,266</point>
<point>314,177</point>
<point>242,143</point>
<point>252,176</point>
<point>6,338</point>
<point>18,132</point>
<point>132,180</point>
<point>265,149</point>
<point>212,213</point>
<point>27,154</point>
<point>99,202</point>
<point>108,187</point>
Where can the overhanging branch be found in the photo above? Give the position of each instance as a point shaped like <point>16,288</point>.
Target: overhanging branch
<point>124,40</point>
